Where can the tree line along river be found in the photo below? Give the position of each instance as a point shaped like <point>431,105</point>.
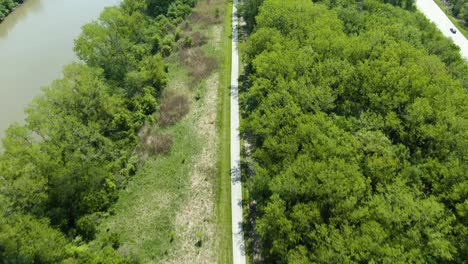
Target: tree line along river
<point>36,41</point>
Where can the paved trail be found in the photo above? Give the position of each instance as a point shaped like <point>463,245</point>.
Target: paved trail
<point>432,11</point>
<point>238,247</point>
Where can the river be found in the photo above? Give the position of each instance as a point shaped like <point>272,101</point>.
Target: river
<point>36,41</point>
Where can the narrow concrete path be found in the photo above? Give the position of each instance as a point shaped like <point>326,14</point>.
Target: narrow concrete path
<point>433,12</point>
<point>238,246</point>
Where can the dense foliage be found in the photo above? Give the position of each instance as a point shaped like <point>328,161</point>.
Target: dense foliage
<point>357,115</point>
<point>6,6</point>
<point>60,172</point>
<point>459,9</point>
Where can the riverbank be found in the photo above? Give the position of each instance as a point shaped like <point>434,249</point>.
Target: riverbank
<point>82,141</point>
<point>5,10</point>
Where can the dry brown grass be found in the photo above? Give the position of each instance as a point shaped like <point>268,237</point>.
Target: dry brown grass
<point>208,12</point>
<point>217,33</point>
<point>199,66</point>
<point>162,143</point>
<point>174,107</point>
<point>196,222</point>
<point>199,39</point>
<point>152,143</point>
<point>196,237</point>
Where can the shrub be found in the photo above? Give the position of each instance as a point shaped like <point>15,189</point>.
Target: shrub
<point>188,42</point>
<point>178,34</point>
<point>86,227</point>
<point>166,50</point>
<point>112,239</point>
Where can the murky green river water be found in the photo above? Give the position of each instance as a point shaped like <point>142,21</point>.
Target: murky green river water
<point>36,41</point>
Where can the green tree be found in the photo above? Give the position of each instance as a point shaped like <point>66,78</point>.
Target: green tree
<point>114,42</point>
<point>359,135</point>
<point>25,239</point>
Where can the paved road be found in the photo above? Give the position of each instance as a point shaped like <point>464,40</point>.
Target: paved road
<point>432,11</point>
<point>236,188</point>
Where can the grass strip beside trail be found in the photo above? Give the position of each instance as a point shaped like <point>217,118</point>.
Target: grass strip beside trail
<point>223,185</point>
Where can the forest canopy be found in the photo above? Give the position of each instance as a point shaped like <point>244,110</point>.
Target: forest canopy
<point>357,116</point>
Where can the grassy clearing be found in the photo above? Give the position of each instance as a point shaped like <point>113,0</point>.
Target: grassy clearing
<point>455,21</point>
<point>145,214</point>
<point>163,216</point>
<point>223,192</point>
<point>197,237</point>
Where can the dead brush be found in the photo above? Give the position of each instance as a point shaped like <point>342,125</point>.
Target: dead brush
<point>206,13</point>
<point>153,143</point>
<point>199,65</point>
<point>174,107</point>
<point>161,144</point>
<point>199,39</point>
<point>196,39</point>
